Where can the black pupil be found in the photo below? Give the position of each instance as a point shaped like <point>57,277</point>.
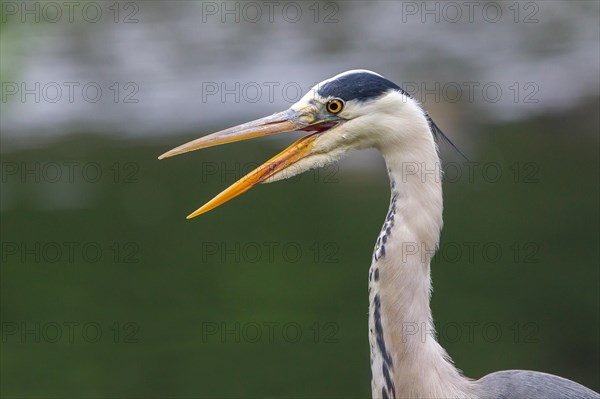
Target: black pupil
<point>334,106</point>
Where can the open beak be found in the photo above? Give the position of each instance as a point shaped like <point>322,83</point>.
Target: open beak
<point>285,121</point>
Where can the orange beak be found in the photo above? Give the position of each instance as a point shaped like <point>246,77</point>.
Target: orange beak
<point>285,121</point>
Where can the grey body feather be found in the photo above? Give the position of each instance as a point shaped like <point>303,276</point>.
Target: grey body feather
<point>524,384</point>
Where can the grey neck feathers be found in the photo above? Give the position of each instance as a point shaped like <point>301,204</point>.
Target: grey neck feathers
<point>406,359</point>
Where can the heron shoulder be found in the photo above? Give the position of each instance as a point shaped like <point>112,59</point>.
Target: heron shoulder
<point>518,384</point>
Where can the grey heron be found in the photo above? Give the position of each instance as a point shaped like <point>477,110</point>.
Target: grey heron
<point>356,110</point>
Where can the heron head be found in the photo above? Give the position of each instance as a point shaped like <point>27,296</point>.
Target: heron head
<point>353,110</point>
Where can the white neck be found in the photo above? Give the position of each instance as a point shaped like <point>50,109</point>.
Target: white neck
<point>406,359</point>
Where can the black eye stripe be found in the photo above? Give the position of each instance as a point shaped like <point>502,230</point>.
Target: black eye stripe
<point>361,86</point>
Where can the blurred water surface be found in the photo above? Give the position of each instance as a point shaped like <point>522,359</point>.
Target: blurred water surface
<point>541,56</point>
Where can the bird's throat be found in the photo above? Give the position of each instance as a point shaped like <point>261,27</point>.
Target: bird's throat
<point>406,359</point>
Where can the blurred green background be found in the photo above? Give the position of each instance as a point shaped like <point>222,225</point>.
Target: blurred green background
<point>107,291</point>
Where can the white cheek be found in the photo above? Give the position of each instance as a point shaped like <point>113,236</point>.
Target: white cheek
<point>310,162</point>
<point>356,133</point>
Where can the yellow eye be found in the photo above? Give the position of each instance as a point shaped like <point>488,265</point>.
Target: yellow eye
<point>335,106</point>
